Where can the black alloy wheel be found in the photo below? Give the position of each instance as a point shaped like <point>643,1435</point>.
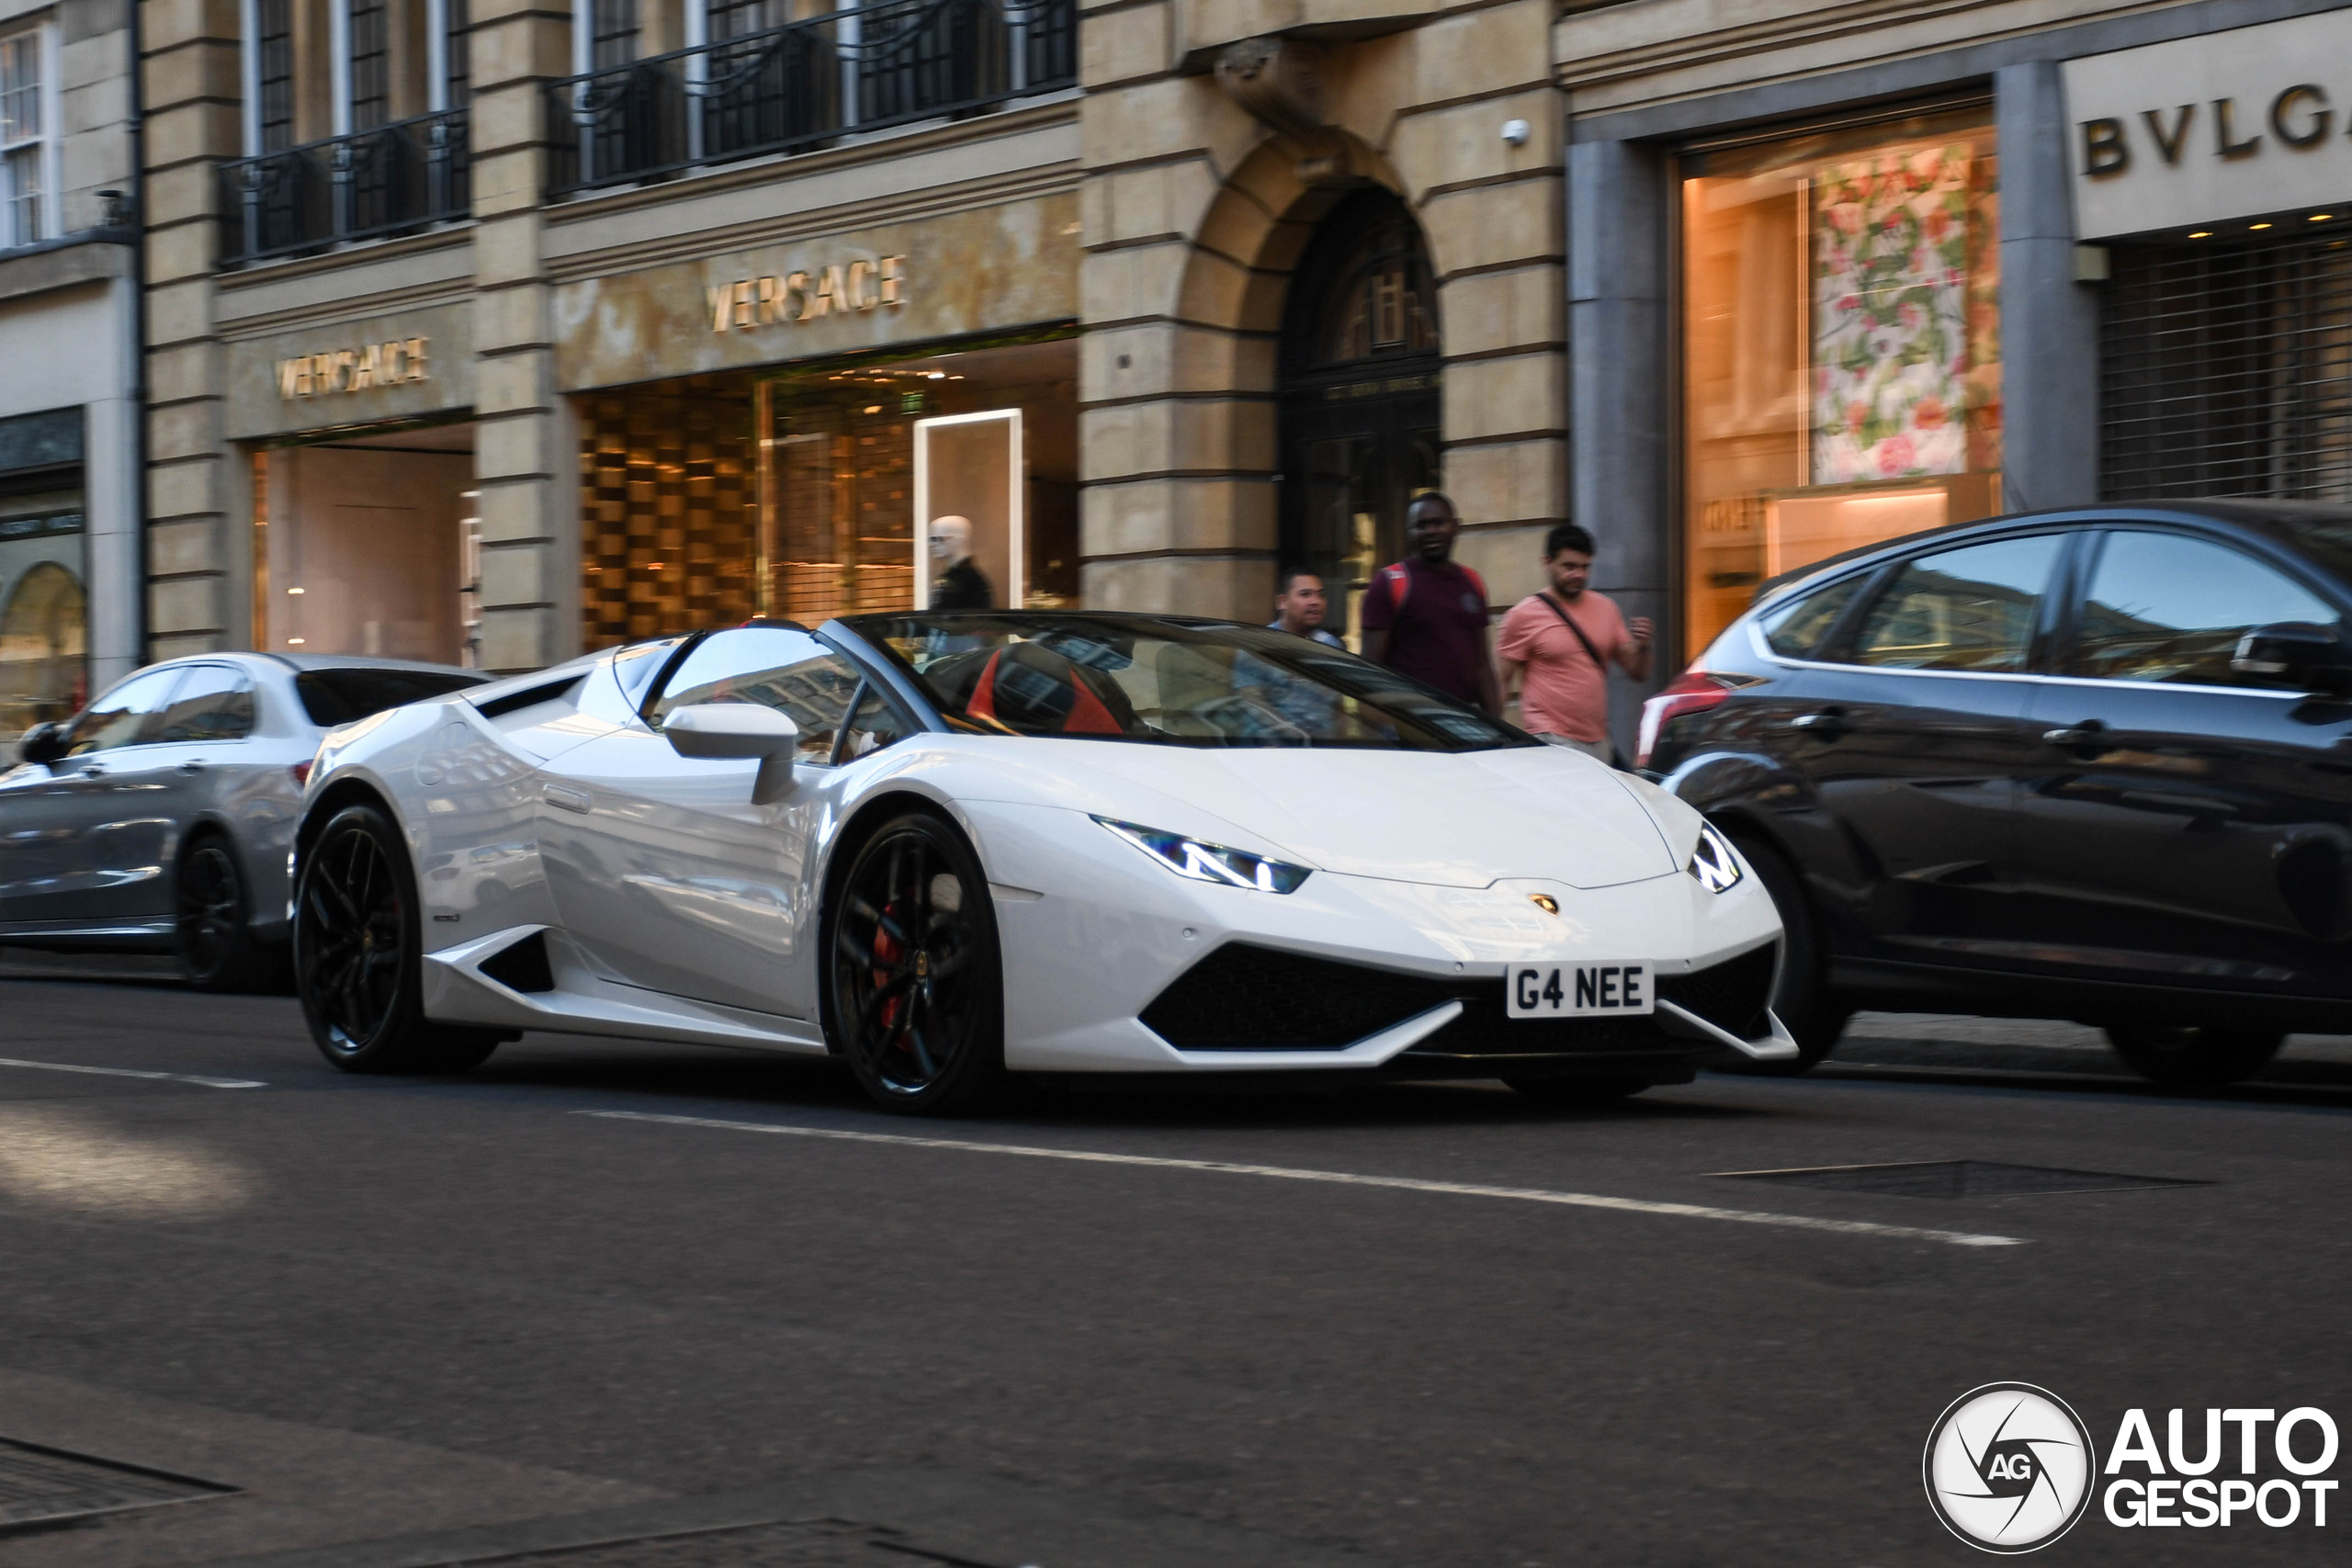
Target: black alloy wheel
<point>210,919</point>
<point>357,955</point>
<point>2193,1055</point>
<point>914,991</point>
<point>1802,1000</point>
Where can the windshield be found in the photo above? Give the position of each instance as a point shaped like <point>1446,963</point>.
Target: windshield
<point>1169,682</point>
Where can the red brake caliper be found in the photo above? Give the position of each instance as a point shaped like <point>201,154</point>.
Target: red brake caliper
<point>886,954</point>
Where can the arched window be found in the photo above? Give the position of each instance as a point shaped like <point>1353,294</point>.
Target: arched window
<point>44,633</point>
<point>1361,384</point>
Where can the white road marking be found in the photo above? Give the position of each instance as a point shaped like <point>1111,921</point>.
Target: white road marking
<point>135,1073</point>
<point>1347,1178</point>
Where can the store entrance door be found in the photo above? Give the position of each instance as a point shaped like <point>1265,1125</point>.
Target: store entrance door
<point>1359,389</point>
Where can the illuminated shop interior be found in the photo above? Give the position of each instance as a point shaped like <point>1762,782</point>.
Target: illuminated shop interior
<point>807,494</point>
<point>369,543</point>
<point>1841,349</point>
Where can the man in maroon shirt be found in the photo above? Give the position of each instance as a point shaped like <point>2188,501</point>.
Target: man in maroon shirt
<point>1426,616</point>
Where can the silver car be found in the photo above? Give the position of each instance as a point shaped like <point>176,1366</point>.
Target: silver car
<point>161,818</point>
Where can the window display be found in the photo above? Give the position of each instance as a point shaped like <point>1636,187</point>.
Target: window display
<point>358,545</point>
<point>1841,349</point>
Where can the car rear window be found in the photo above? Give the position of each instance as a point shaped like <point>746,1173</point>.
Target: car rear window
<point>1796,625</point>
<point>343,696</point>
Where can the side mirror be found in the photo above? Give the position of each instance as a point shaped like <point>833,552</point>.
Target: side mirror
<point>724,730</point>
<point>43,743</point>
<point>2294,653</point>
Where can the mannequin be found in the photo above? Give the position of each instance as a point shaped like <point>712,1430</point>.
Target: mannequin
<point>959,585</point>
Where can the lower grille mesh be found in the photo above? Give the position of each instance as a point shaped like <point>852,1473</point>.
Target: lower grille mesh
<point>1244,997</point>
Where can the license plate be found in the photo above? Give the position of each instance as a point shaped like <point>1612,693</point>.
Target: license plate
<point>1580,991</point>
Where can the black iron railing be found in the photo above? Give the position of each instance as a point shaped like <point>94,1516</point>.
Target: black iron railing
<point>801,85</point>
<point>366,186</point>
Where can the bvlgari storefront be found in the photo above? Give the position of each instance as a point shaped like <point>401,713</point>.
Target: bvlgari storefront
<point>1834,294</point>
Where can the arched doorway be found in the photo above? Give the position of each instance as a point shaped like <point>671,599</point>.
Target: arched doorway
<point>1359,395</point>
<point>43,633</point>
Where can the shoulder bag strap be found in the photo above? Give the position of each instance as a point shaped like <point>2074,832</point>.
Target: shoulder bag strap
<point>1570,622</point>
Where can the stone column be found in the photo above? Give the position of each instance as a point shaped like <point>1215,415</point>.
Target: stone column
<point>190,78</point>
<point>1618,283</point>
<point>1176,370</point>
<point>2049,322</point>
<point>526,458</point>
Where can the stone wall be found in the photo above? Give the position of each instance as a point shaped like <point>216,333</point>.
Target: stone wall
<point>1194,212</point>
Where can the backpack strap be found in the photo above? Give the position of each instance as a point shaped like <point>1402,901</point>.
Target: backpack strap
<point>1477,582</point>
<point>1400,583</point>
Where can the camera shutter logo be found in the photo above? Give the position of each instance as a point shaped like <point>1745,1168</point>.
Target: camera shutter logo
<point>2009,1467</point>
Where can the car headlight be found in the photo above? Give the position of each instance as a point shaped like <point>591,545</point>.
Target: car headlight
<point>1714,862</point>
<point>1210,862</point>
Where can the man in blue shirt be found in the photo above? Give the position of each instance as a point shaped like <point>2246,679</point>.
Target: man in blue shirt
<point>1299,606</point>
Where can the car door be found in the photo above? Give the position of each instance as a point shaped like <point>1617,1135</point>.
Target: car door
<point>2181,820</point>
<point>157,787</point>
<point>665,872</point>
<point>1911,733</point>
<point>53,818</point>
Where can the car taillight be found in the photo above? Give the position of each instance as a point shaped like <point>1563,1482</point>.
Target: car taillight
<point>1693,690</point>
<point>301,772</point>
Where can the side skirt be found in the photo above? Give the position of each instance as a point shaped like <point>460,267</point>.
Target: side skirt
<point>582,1002</point>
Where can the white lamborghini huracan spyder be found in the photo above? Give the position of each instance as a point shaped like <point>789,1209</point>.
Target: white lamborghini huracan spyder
<point>949,846</point>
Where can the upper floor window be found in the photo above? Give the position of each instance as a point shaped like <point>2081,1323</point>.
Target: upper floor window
<point>316,70</point>
<point>28,140</point>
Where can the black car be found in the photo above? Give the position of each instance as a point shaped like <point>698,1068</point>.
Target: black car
<point>2092,764</point>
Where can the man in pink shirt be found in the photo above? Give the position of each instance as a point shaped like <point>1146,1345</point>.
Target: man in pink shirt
<point>1560,642</point>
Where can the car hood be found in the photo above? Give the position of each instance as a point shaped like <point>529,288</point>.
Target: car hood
<point>1464,819</point>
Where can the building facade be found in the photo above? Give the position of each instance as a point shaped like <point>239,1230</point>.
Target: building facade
<point>1841,272</point>
<point>491,330</point>
<point>70,568</point>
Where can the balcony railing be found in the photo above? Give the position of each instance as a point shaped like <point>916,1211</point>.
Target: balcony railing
<point>802,85</point>
<point>371,184</point>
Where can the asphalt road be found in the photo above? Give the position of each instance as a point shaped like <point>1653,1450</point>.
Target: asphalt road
<point>609,1304</point>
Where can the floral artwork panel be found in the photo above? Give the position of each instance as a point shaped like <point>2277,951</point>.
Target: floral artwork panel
<point>1891,319</point>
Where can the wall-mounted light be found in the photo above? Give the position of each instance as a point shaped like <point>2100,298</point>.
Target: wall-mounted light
<point>2202,234</point>
<point>2256,228</point>
<point>1516,132</point>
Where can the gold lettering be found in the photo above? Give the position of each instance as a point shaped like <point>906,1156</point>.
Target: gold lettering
<point>370,368</point>
<point>794,305</point>
<point>744,304</point>
<point>768,288</point>
<point>860,273</point>
<point>417,358</point>
<point>395,362</point>
<point>831,294</point>
<point>722,304</point>
<point>892,270</point>
<point>286,379</point>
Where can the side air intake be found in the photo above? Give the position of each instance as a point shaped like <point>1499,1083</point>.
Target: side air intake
<point>522,965</point>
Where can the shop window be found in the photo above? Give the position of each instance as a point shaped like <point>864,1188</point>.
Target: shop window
<point>44,633</point>
<point>1840,348</point>
<point>793,494</point>
<point>859,461</point>
<point>359,545</point>
<point>670,529</point>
